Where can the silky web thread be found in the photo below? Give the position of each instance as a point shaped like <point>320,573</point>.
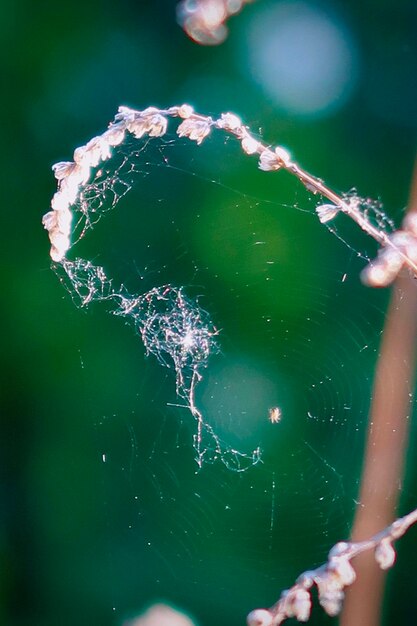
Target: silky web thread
<point>174,328</point>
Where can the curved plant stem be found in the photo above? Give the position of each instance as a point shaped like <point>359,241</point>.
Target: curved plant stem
<point>387,442</point>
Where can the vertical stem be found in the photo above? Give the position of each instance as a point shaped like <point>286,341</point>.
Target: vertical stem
<point>387,442</point>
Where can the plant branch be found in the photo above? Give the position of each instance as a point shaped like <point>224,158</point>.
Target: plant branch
<point>398,249</point>
<point>332,577</point>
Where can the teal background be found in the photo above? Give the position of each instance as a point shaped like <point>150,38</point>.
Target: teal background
<point>87,542</point>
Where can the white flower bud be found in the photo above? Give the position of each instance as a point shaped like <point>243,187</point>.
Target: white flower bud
<point>79,176</point>
<point>374,275</point>
<point>185,111</point>
<point>301,605</point>
<point>330,589</point>
<point>250,145</point>
<point>385,554</point>
<point>125,113</point>
<point>259,617</point>
<point>157,126</point>
<point>383,270</point>
<point>137,127</point>
<point>68,191</point>
<point>115,135</point>
<point>64,219</point>
<point>49,220</point>
<point>96,150</point>
<point>269,161</point>
<point>332,601</point>
<point>283,155</point>
<point>60,242</point>
<point>196,130</point>
<point>81,155</point>
<point>60,201</point>
<point>229,121</point>
<point>338,549</point>
<point>342,568</point>
<point>56,255</point>
<point>326,212</point>
<point>63,169</point>
<point>149,121</point>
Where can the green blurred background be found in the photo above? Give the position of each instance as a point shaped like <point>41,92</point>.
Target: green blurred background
<point>90,542</point>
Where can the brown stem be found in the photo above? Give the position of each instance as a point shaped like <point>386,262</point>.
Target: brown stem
<point>387,441</point>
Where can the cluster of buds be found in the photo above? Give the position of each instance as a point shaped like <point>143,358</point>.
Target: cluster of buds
<point>332,577</point>
<point>397,250</point>
<point>153,122</point>
<point>401,250</point>
<point>73,175</point>
<point>139,123</point>
<point>204,20</point>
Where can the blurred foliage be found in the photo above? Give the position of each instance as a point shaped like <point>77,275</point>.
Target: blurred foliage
<point>87,542</point>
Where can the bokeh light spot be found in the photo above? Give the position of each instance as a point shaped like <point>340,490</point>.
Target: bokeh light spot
<point>303,58</point>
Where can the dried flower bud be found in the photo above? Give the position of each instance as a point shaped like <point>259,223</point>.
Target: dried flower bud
<point>250,145</point>
<point>330,590</point>
<point>383,270</point>
<point>150,121</point>
<point>332,601</point>
<point>64,219</point>
<point>342,568</point>
<point>68,192</point>
<point>302,605</point>
<point>60,201</point>
<point>59,242</point>
<point>158,125</point>
<point>297,603</point>
<point>259,617</point>
<point>78,176</point>
<point>338,549</point>
<point>185,111</point>
<point>229,121</point>
<point>115,134</point>
<point>283,155</point>
<point>63,169</point>
<point>50,220</point>
<point>149,111</point>
<point>326,212</point>
<point>125,113</point>
<point>385,554</point>
<point>196,130</point>
<point>269,161</point>
<point>56,254</point>
<point>306,579</point>
<point>81,155</point>
<point>96,150</point>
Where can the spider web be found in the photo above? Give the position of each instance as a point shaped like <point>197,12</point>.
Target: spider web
<point>235,290</point>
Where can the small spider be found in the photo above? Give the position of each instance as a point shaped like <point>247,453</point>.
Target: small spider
<point>274,415</point>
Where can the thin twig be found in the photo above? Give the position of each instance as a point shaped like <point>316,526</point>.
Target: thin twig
<point>397,249</point>
<point>332,577</point>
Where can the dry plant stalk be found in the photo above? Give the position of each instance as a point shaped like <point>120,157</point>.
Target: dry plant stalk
<point>332,577</point>
<point>387,441</point>
<point>205,20</point>
<point>397,249</point>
